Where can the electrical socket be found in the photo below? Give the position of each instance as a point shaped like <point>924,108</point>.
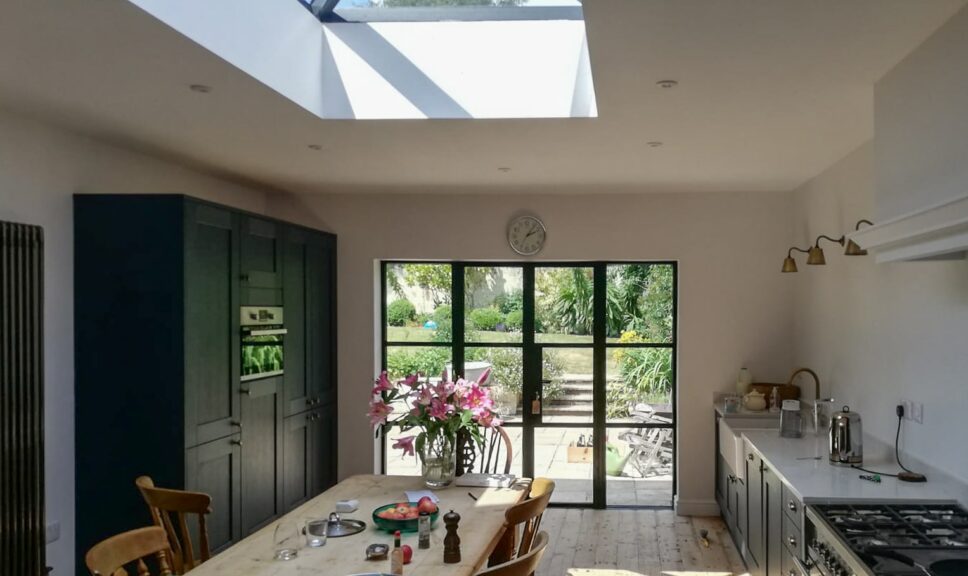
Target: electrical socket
<point>917,412</point>
<point>53,531</point>
<point>907,408</point>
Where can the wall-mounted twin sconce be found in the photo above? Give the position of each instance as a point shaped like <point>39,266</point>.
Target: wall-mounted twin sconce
<point>815,255</point>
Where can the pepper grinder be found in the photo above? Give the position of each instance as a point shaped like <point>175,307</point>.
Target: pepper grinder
<point>451,540</point>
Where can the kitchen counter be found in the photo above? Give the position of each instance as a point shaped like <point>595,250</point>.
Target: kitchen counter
<point>818,481</point>
<point>744,413</point>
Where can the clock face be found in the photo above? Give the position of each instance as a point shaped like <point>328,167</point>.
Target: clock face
<point>526,235</point>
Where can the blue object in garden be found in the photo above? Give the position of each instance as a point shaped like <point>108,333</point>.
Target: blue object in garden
<point>430,324</point>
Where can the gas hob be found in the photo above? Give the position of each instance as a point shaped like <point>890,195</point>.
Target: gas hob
<point>890,539</point>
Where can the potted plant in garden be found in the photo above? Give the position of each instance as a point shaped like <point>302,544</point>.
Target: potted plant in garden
<point>439,410</point>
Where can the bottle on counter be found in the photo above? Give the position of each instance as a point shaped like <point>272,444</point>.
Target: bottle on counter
<point>775,399</point>
<point>423,531</point>
<point>396,556</point>
<point>743,381</point>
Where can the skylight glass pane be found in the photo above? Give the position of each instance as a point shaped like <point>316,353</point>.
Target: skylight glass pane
<point>453,3</point>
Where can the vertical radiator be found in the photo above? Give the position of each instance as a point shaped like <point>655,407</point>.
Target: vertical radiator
<point>22,524</point>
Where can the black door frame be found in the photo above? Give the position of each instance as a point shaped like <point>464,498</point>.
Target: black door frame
<point>531,356</point>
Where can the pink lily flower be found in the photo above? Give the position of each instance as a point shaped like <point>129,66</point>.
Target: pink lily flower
<point>405,443</point>
<point>425,396</point>
<point>378,412</point>
<point>484,376</point>
<point>382,383</point>
<point>412,380</point>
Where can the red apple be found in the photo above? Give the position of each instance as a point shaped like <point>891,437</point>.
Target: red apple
<point>407,553</point>
<point>426,505</point>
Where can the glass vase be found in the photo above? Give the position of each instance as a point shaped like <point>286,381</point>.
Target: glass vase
<point>438,460</point>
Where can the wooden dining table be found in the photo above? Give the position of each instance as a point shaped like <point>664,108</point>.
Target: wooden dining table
<point>480,531</point>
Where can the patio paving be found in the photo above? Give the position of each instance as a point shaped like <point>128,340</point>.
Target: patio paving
<point>574,479</point>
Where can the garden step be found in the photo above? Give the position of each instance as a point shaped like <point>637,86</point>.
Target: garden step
<point>572,399</point>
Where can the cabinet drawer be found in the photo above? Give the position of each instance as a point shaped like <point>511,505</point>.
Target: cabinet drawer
<point>791,537</point>
<point>792,506</point>
<point>789,567</point>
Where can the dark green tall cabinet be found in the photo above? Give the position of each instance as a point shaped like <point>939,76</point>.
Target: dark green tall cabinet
<point>159,282</point>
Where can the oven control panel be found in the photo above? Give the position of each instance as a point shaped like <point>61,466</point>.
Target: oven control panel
<point>826,559</point>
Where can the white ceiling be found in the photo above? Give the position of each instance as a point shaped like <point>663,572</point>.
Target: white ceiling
<point>771,93</point>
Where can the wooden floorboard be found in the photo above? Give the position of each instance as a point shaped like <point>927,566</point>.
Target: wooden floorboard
<point>636,543</point>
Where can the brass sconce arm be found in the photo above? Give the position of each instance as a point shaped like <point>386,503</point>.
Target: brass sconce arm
<point>854,249</point>
<point>789,264</point>
<point>825,237</point>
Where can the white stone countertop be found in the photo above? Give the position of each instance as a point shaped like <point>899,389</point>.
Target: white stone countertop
<point>744,413</point>
<point>818,481</point>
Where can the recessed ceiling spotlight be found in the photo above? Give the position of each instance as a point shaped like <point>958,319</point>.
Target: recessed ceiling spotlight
<point>504,169</point>
<point>667,83</point>
<point>654,144</point>
<point>314,147</point>
<point>200,88</point>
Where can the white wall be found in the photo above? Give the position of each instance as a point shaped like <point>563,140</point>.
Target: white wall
<point>881,333</point>
<point>40,169</point>
<point>921,125</point>
<point>733,301</point>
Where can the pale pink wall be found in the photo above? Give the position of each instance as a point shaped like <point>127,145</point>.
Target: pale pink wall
<point>734,303</point>
<point>41,168</point>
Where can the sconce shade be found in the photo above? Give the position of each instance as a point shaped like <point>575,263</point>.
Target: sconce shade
<point>854,249</point>
<point>815,256</point>
<point>789,264</point>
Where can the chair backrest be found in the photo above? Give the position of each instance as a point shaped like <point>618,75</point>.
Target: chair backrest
<point>109,558</point>
<point>164,504</point>
<point>529,513</point>
<point>493,458</point>
<point>522,565</point>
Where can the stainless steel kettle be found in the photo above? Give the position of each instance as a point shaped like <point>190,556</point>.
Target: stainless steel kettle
<point>846,438</point>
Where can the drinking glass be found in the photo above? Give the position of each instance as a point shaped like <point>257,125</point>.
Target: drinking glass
<point>286,541</point>
<point>316,533</point>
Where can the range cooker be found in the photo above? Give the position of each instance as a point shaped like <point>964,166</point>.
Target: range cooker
<point>895,539</point>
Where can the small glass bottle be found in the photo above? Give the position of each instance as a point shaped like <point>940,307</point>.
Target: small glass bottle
<point>775,399</point>
<point>423,531</point>
<point>396,556</point>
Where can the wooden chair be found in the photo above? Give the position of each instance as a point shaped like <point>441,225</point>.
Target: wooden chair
<point>528,515</point>
<point>522,565</point>
<point>487,460</point>
<point>109,558</point>
<point>164,503</point>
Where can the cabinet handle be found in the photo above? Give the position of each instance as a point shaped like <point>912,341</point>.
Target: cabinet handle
<point>749,457</point>
<point>244,391</point>
<point>792,506</point>
<point>309,401</point>
<point>731,478</point>
<point>236,423</point>
<point>244,277</point>
<point>237,443</point>
<point>792,541</point>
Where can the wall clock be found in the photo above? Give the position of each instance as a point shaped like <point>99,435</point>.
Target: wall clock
<point>526,235</point>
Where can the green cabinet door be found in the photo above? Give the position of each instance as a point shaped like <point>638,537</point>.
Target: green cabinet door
<point>261,262</point>
<point>321,318</point>
<point>322,467</point>
<point>211,317</point>
<point>298,442</point>
<point>262,453</point>
<point>296,287</point>
<point>755,534</point>
<point>215,468</point>
<point>773,520</point>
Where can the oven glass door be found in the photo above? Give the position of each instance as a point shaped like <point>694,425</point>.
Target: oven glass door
<point>263,353</point>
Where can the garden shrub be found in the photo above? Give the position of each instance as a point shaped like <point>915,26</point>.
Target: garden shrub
<point>486,318</point>
<point>442,314</point>
<point>399,312</point>
<point>402,362</point>
<point>515,320</point>
<point>508,303</point>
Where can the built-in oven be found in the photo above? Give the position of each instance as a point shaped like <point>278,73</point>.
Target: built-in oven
<point>263,342</point>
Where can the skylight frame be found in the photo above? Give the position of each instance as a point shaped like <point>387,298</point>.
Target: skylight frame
<point>327,11</point>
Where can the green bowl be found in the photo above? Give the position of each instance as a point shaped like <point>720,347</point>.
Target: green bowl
<point>401,525</point>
